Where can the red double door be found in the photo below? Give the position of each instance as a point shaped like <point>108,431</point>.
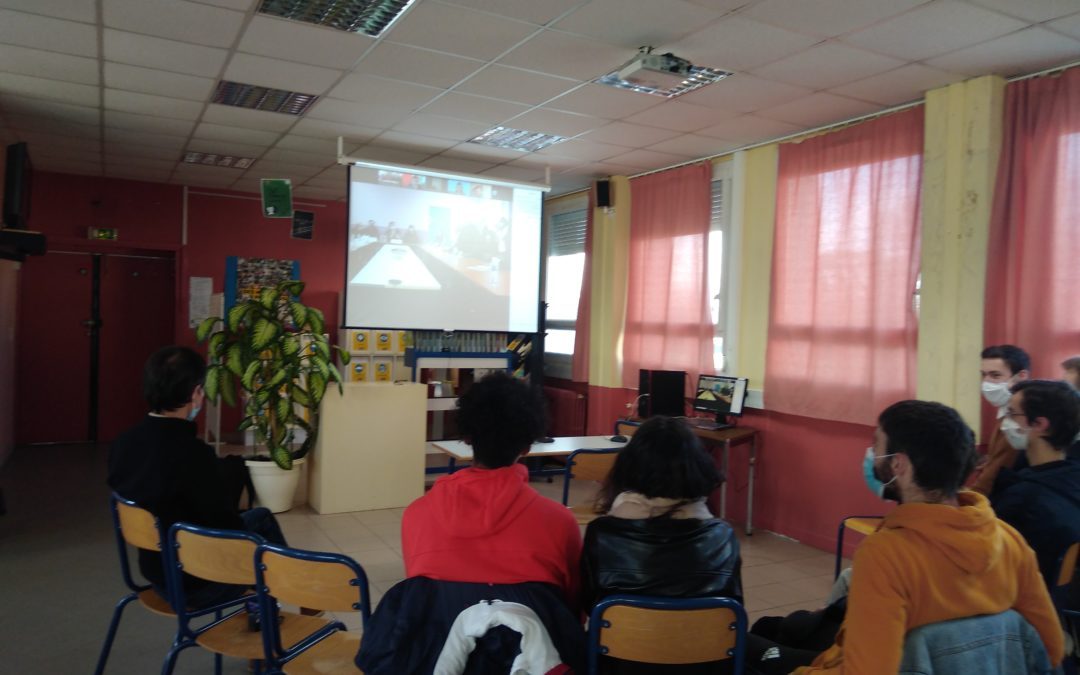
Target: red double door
<point>86,324</point>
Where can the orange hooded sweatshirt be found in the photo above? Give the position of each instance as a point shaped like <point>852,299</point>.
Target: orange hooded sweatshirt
<point>929,563</point>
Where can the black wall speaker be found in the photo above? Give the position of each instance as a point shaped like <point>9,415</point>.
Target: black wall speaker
<point>661,392</point>
<point>603,194</point>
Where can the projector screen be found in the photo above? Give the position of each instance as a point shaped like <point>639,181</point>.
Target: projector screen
<point>435,251</point>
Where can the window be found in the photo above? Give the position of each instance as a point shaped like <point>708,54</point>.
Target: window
<point>720,245</point>
<point>565,266</point>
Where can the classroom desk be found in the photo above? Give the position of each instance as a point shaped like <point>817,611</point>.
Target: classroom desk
<point>560,447</point>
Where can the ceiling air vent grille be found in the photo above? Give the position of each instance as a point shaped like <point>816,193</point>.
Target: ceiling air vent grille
<point>262,98</point>
<point>370,17</point>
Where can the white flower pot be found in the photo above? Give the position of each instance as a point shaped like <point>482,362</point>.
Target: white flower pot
<point>274,486</point>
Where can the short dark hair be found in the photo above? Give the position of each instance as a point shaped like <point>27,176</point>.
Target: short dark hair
<point>940,445</point>
<point>1057,402</point>
<point>170,377</point>
<point>663,459</point>
<point>1017,359</point>
<point>500,416</point>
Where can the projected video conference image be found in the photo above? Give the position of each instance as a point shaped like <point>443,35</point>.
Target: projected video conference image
<point>433,251</point>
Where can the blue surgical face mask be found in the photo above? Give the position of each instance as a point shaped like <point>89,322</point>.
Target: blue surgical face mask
<point>193,413</point>
<point>872,481</point>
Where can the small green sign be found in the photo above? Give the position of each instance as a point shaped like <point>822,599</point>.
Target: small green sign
<point>277,198</point>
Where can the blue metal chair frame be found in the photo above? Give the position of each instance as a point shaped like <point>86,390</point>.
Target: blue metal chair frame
<point>597,621</point>
<point>1060,593</point>
<point>568,470</point>
<point>276,654</point>
<point>129,581</point>
<point>186,635</point>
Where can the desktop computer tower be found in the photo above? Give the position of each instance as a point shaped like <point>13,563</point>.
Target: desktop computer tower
<point>661,392</point>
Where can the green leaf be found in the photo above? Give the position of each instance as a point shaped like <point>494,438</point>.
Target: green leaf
<point>289,344</point>
<point>261,397</point>
<point>343,355</point>
<point>284,410</point>
<point>236,315</point>
<point>264,332</point>
<point>321,366</point>
<point>281,456</point>
<point>245,423</point>
<point>234,360</point>
<point>248,380</point>
<point>267,297</point>
<point>205,327</point>
<point>316,320</point>
<point>322,347</point>
<point>316,387</point>
<point>216,341</point>
<point>301,396</point>
<point>307,445</point>
<point>212,384</point>
<point>293,286</point>
<point>277,379</point>
<point>299,313</point>
<point>228,392</point>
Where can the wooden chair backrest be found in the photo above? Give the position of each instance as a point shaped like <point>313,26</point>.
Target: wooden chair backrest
<point>593,466</point>
<point>626,428</point>
<point>138,526</point>
<point>668,636</point>
<point>226,561</point>
<point>1068,565</point>
<point>309,583</point>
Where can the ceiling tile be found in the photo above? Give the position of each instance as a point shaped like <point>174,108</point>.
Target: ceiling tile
<point>647,159</point>
<point>540,12</point>
<point>693,145</point>
<point>452,29</point>
<point>64,92</point>
<point>605,169</point>
<point>362,87</point>
<point>44,141</point>
<point>308,144</point>
<point>154,52</point>
<point>476,108</point>
<point>141,151</point>
<point>148,104</point>
<point>585,150</point>
<point>184,21</point>
<point>409,64</point>
<point>76,168</point>
<point>897,86</point>
<point>515,173</point>
<point>160,82</point>
<point>750,129</point>
<point>744,93</point>
<point>136,173</point>
<point>483,152</point>
<point>514,84</point>
<point>220,132</point>
<point>124,137</point>
<point>219,147</point>
<point>204,176</point>
<point>629,135</point>
<point>542,162</point>
<point>269,169</point>
<point>680,116</point>
<point>231,116</point>
<point>429,145</point>
<point>305,43</point>
<point>67,155</point>
<point>555,122</point>
<point>1035,11</point>
<point>827,18</point>
<point>239,5</point>
<point>363,114</point>
<point>736,43</point>
<point>49,65</point>
<point>73,10</point>
<point>1018,53</point>
<point>334,173</point>
<point>319,193</point>
<point>52,125</point>
<point>656,22</point>
<point>441,127</point>
<point>818,109</point>
<point>468,166</point>
<point>827,65</point>
<point>565,55</point>
<point>277,74</point>
<point>602,101</point>
<point>152,124</point>
<point>326,183</point>
<point>378,153</point>
<point>139,162</point>
<point>42,32</point>
<point>1070,25</point>
<point>314,159</point>
<point>933,29</point>
<point>25,105</point>
<point>331,130</point>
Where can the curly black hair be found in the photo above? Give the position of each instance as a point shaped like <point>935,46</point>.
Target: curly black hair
<point>1057,402</point>
<point>500,416</point>
<point>940,445</point>
<point>170,377</point>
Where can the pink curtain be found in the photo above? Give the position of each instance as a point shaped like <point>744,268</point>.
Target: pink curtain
<point>579,367</point>
<point>1033,260</point>
<point>667,306</point>
<point>842,333</point>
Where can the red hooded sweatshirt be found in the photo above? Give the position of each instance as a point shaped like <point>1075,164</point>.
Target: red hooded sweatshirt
<point>491,526</point>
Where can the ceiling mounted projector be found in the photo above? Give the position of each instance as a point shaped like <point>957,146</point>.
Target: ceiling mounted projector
<point>661,71</point>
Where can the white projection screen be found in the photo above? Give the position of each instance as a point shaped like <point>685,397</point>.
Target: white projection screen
<point>437,251</point>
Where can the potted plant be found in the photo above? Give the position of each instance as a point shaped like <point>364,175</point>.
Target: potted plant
<point>273,351</point>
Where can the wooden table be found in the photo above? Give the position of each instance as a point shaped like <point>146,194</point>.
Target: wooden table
<point>559,447</point>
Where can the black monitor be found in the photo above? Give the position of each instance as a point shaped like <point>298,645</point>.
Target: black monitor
<point>720,395</point>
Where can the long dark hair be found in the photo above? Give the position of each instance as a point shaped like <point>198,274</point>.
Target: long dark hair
<point>663,459</point>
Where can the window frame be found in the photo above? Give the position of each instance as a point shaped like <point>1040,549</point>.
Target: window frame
<point>558,364</point>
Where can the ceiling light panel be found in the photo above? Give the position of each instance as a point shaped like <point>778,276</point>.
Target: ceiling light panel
<point>517,139</point>
<point>262,98</point>
<point>370,17</point>
<point>210,159</point>
<point>697,78</point>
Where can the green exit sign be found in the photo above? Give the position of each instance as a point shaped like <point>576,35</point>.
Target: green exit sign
<point>105,233</point>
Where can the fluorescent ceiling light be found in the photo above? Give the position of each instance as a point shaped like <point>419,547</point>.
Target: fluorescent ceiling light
<point>370,17</point>
<point>664,75</point>
<point>262,98</point>
<point>517,139</point>
<point>209,159</point>
<point>698,78</point>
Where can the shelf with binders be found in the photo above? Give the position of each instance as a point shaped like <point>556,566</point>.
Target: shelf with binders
<point>375,355</point>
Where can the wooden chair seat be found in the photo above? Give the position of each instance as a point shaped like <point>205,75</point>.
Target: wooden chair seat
<point>585,513</point>
<point>233,637</point>
<point>336,655</point>
<point>156,602</point>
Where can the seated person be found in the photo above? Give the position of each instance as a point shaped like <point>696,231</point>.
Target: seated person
<point>1001,367</point>
<point>1070,370</point>
<point>1042,501</point>
<point>940,555</point>
<point>658,537</point>
<point>161,465</point>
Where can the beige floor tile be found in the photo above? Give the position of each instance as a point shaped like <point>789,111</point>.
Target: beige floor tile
<point>348,542</point>
<point>380,516</point>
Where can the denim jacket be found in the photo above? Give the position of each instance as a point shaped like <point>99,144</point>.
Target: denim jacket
<point>993,644</point>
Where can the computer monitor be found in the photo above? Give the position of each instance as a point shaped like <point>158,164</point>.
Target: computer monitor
<point>720,395</point>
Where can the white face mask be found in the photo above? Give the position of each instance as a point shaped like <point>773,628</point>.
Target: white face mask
<point>1014,433</point>
<point>996,393</point>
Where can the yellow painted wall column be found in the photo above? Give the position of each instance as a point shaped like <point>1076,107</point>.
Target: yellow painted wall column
<point>607,312</point>
<point>963,142</point>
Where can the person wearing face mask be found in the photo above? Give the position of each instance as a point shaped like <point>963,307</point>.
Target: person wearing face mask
<point>940,555</point>
<point>1002,366</point>
<point>1042,501</point>
<point>161,465</point>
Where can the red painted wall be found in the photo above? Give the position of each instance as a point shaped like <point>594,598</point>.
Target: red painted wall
<point>9,280</point>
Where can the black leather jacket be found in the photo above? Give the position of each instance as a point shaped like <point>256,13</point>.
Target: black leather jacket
<point>660,556</point>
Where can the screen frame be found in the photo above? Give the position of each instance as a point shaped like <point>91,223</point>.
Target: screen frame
<point>727,378</point>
